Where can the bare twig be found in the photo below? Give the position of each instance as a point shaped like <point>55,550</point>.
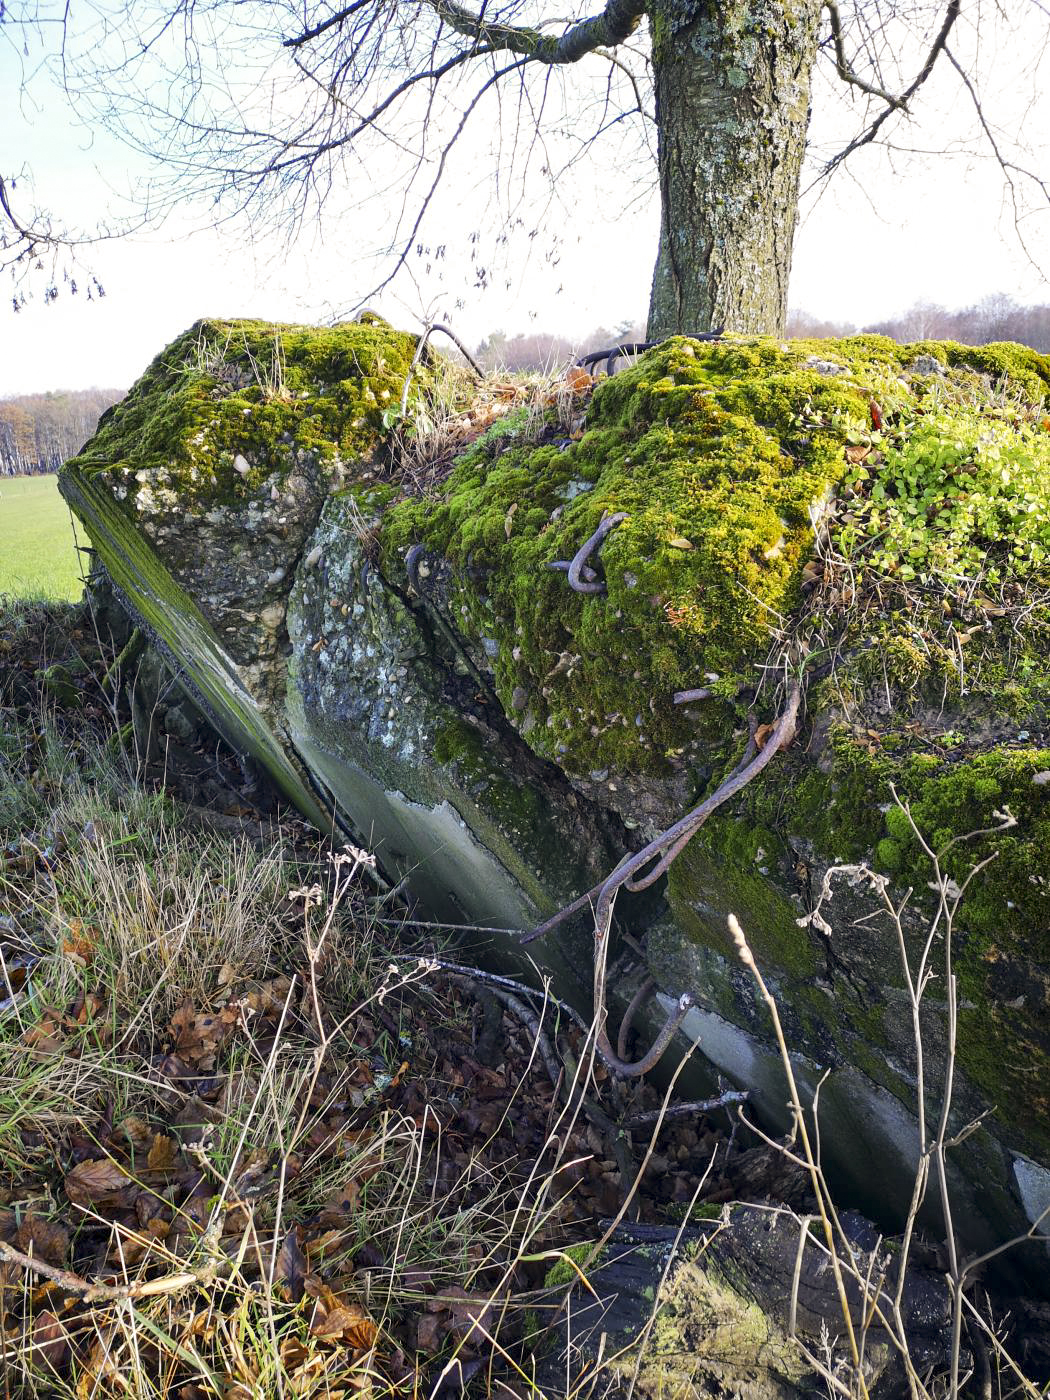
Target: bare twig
<point>616,22</point>
<point>843,68</point>
<point>693,1106</point>
<point>951,14</point>
<point>109,1292</point>
<point>686,697</point>
<point>817,1181</point>
<point>529,1019</point>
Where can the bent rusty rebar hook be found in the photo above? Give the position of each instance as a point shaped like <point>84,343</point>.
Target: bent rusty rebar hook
<point>582,578</point>
<point>663,850</point>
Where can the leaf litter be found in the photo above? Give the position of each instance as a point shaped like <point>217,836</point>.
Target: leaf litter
<point>295,1165</point>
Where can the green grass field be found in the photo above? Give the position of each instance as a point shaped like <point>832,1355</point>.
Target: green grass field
<point>38,558</point>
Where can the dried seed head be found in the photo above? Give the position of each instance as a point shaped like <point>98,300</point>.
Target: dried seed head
<point>739,938</point>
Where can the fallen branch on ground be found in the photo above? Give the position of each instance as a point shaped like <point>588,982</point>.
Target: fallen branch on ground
<point>108,1292</point>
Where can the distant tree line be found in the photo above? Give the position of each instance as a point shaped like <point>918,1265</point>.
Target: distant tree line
<point>996,317</point>
<point>38,432</point>
<point>542,350</point>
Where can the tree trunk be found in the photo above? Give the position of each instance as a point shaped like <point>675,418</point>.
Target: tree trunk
<point>732,107</point>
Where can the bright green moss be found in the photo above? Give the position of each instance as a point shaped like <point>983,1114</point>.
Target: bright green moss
<point>899,827</point>
<point>716,453</point>
<point>888,855</point>
<point>562,1273</point>
<point>835,812</point>
<point>1009,902</point>
<point>253,389</point>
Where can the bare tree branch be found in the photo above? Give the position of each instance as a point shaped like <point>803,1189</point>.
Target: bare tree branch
<point>617,22</point>
<point>1009,168</point>
<point>843,68</point>
<point>326,24</point>
<point>951,14</point>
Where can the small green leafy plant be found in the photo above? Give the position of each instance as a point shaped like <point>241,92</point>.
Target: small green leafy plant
<point>952,502</point>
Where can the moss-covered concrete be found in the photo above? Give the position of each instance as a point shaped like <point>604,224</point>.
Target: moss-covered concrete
<point>417,752</point>
<point>717,455</point>
<point>264,393</point>
<point>871,519</point>
<point>223,452</point>
<point>1001,932</point>
<point>175,622</point>
<point>723,457</point>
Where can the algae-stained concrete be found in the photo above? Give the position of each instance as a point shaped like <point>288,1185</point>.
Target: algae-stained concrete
<point>871,520</point>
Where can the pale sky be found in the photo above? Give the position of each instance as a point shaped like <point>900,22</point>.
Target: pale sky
<point>882,236</point>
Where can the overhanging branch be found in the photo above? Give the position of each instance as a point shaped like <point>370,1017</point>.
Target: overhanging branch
<point>900,103</point>
<point>842,67</point>
<point>616,23</point>
<point>326,24</point>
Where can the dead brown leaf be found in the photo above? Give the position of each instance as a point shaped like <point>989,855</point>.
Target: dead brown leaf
<point>50,1341</point>
<point>79,943</point>
<point>162,1154</point>
<point>428,1332</point>
<point>812,573</point>
<point>44,1239</point>
<point>468,1312</point>
<point>44,1036</point>
<point>198,1034</point>
<point>100,1183</point>
<point>348,1323</point>
<point>291,1268</point>
<point>136,1131</point>
<point>578,380</point>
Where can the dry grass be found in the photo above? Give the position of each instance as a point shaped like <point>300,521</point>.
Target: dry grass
<point>246,1149</point>
<point>233,1154</point>
<point>452,410</point>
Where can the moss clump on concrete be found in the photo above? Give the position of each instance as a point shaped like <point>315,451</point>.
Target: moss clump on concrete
<point>716,454</point>
<point>721,455</point>
<point>1001,939</point>
<point>249,390</point>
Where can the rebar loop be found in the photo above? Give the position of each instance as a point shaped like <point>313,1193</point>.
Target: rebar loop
<point>582,578</point>
<point>637,347</point>
<point>659,855</point>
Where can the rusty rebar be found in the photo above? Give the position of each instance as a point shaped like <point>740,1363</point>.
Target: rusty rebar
<point>638,347</point>
<point>582,578</point>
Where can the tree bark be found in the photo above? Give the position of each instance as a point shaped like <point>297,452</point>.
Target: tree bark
<point>732,108</point>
